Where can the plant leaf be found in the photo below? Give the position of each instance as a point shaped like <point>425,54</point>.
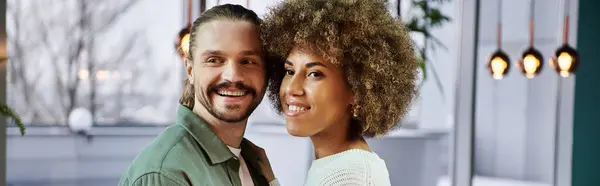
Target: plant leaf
<point>437,42</point>
<point>438,81</point>
<point>6,111</point>
<point>423,67</point>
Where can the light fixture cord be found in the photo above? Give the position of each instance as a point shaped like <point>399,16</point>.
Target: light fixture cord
<point>531,23</point>
<point>189,12</point>
<point>499,31</point>
<point>566,26</point>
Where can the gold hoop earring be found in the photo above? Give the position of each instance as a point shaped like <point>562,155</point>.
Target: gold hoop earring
<point>355,110</point>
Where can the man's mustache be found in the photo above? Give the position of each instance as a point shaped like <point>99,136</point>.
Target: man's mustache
<point>238,85</point>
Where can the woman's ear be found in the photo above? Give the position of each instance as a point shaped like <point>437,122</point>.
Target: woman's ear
<point>354,107</point>
<point>353,100</point>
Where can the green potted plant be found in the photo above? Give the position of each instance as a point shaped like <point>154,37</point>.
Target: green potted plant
<point>422,18</point>
<point>5,110</point>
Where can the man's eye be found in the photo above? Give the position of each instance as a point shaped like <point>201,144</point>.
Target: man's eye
<point>247,61</point>
<point>212,60</point>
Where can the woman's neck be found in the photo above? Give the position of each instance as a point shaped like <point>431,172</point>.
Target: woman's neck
<point>330,143</point>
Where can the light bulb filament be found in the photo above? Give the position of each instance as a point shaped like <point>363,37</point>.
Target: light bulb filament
<point>498,66</point>
<point>185,44</point>
<point>565,61</point>
<point>530,64</point>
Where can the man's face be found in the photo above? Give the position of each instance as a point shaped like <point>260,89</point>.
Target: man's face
<point>228,71</point>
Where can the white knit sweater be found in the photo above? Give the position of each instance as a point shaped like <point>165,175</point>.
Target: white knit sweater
<point>353,167</point>
<point>349,168</point>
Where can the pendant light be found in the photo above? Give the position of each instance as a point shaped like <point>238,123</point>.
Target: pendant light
<point>183,41</point>
<point>499,62</point>
<point>531,61</point>
<point>566,59</point>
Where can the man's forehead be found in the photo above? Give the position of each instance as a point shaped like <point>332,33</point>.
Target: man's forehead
<point>227,24</point>
<point>228,36</point>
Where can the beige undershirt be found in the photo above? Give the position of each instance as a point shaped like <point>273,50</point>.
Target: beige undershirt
<point>245,177</point>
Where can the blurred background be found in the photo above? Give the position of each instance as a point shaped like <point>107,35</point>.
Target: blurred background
<point>95,81</point>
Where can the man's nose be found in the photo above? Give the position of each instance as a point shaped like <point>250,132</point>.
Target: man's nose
<point>232,72</point>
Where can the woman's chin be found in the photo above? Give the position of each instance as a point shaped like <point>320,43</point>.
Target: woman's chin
<point>297,132</point>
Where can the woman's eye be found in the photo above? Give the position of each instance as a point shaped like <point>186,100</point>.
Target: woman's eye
<point>314,74</point>
<point>289,72</point>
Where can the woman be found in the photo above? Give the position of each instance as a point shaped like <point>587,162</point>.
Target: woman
<point>349,72</point>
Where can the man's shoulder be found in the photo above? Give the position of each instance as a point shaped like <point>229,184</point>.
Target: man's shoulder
<point>162,145</point>
<point>163,155</point>
<point>155,179</point>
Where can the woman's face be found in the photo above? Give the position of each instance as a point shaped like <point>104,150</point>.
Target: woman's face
<point>314,95</point>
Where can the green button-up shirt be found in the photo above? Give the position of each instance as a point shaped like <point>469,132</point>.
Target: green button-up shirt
<point>189,153</point>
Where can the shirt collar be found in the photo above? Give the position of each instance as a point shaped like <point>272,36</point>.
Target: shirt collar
<point>216,150</point>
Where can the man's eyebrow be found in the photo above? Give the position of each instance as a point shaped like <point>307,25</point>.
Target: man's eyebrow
<point>220,53</point>
<point>212,52</point>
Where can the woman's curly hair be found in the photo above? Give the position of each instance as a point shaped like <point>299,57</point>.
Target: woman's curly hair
<point>372,47</point>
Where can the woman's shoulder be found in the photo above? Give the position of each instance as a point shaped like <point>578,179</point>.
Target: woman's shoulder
<point>352,166</point>
<point>348,157</point>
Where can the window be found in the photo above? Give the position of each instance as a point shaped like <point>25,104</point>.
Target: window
<point>114,59</point>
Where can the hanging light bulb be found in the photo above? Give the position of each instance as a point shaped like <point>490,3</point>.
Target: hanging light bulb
<point>566,59</point>
<point>183,42</point>
<point>531,61</point>
<point>499,63</point>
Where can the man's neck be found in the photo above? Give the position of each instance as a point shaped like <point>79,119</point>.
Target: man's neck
<point>231,134</point>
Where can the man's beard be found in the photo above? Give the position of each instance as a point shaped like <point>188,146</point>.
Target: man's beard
<point>204,99</point>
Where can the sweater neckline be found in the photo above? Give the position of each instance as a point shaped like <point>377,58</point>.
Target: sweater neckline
<point>349,151</point>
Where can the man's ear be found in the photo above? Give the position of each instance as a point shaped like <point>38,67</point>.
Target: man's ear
<point>189,64</point>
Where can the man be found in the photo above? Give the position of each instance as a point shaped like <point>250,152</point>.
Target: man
<point>227,78</point>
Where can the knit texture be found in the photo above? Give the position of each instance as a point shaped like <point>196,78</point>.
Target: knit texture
<point>349,168</point>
